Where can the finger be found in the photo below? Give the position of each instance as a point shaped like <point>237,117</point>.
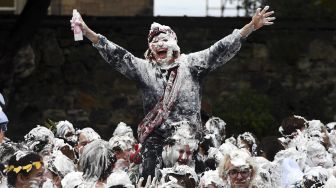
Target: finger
<point>268,13</point>
<point>264,10</point>
<point>154,181</point>
<point>258,11</point>
<point>270,18</point>
<point>148,181</point>
<point>140,182</point>
<point>77,22</point>
<point>268,23</point>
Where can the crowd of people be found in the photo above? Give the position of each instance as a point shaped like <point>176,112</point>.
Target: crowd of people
<point>173,148</point>
<point>61,156</point>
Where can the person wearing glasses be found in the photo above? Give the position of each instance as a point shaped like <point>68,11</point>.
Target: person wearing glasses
<point>3,120</point>
<point>237,169</point>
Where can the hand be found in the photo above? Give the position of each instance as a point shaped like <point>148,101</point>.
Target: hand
<point>262,18</point>
<point>149,183</point>
<point>87,32</point>
<point>80,23</point>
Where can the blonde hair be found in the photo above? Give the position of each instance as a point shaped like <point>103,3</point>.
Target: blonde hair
<point>225,164</point>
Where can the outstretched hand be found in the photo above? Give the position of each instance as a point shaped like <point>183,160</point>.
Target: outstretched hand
<point>87,32</point>
<point>262,17</point>
<point>80,22</point>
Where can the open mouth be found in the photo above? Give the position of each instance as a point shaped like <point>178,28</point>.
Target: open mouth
<point>162,53</point>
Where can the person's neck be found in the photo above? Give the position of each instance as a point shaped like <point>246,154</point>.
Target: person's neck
<point>100,184</point>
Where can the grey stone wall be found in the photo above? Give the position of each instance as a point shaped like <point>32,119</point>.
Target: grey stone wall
<point>288,68</point>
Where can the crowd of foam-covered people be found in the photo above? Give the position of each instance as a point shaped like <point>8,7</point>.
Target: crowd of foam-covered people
<point>63,156</point>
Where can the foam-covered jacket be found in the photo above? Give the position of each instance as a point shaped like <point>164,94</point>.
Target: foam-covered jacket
<point>152,78</point>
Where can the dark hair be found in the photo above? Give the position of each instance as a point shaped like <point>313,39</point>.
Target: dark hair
<point>269,146</point>
<point>29,158</point>
<point>292,123</point>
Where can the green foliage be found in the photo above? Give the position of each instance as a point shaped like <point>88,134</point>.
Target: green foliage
<point>247,110</point>
<point>51,125</point>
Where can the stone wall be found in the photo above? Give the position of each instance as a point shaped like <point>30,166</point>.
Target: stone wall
<point>288,68</point>
<point>104,7</point>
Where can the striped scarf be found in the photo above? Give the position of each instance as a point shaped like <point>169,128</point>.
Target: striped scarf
<point>161,111</point>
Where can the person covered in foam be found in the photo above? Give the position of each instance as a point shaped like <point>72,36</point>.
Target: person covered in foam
<point>39,138</point>
<point>85,136</point>
<point>96,163</point>
<point>169,80</point>
<point>65,130</point>
<point>237,169</point>
<point>179,148</point>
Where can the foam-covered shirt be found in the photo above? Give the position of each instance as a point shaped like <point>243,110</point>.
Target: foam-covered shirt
<point>152,80</point>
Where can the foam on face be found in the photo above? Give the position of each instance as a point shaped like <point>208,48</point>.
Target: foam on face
<point>167,42</point>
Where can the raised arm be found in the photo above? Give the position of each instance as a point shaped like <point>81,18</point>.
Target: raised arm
<point>223,50</point>
<point>122,60</point>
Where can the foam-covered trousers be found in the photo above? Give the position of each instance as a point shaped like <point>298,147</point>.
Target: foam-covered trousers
<point>151,153</point>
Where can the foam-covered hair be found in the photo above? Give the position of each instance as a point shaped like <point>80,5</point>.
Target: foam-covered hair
<point>96,161</point>
<point>64,127</point>
<point>183,135</point>
<point>89,133</point>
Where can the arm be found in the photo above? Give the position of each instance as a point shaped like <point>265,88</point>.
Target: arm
<point>223,50</point>
<point>122,60</point>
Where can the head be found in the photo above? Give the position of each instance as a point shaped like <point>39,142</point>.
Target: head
<point>38,138</point>
<point>179,148</point>
<point>85,136</point>
<point>211,179</point>
<point>318,131</point>
<point>119,178</point>
<point>179,176</point>
<point>57,166</point>
<point>96,161</point>
<point>269,147</point>
<point>317,155</point>
<point>162,45</point>
<point>72,180</point>
<point>25,169</point>
<point>291,124</point>
<point>123,130</point>
<point>216,127</point>
<point>247,141</point>
<point>237,169</point>
<point>66,131</point>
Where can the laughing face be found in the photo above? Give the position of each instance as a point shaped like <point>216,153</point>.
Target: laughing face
<point>164,49</point>
<point>239,176</point>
